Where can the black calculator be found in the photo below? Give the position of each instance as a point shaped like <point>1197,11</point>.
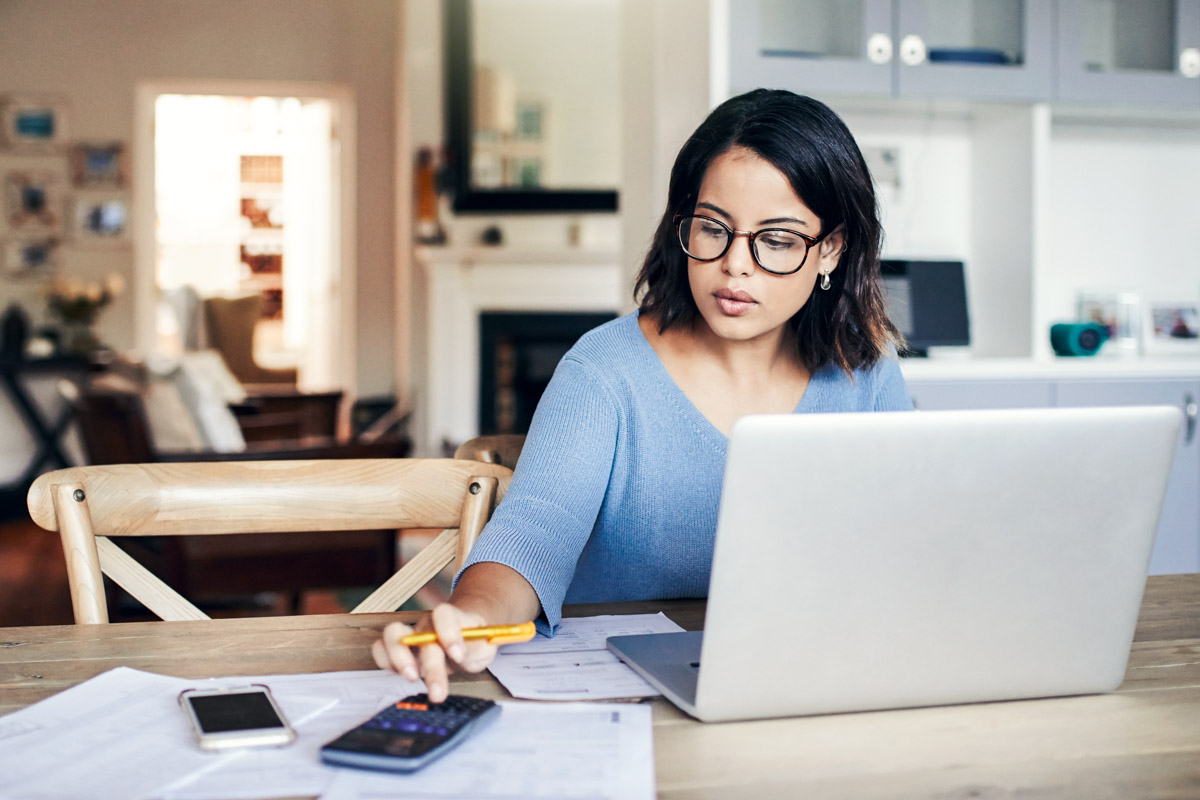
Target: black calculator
<point>409,734</point>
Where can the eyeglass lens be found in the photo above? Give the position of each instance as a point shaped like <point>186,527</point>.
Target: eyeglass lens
<point>774,249</point>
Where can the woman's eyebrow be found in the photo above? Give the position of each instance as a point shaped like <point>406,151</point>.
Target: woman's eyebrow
<point>778,220</point>
<point>772,221</point>
<point>715,208</point>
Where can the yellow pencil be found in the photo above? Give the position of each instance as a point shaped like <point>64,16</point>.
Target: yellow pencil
<point>495,634</point>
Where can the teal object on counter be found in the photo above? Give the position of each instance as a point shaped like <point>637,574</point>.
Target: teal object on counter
<point>1077,338</point>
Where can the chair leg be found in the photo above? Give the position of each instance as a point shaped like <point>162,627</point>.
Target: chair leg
<point>79,547</point>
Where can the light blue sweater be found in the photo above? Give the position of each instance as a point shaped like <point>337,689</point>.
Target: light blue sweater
<point>615,494</point>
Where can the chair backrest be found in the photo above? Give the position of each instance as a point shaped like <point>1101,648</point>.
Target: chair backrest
<point>86,505</point>
<point>112,423</point>
<point>230,324</point>
<point>503,449</point>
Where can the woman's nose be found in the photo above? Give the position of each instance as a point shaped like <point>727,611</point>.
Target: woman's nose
<point>739,260</point>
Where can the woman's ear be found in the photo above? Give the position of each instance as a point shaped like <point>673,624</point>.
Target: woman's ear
<point>830,249</point>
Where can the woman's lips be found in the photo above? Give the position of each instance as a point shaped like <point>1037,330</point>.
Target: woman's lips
<point>734,302</point>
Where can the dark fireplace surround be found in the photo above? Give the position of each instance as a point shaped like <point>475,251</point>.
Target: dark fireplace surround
<point>518,352</point>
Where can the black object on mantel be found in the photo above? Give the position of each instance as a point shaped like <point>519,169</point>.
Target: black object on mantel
<point>14,332</point>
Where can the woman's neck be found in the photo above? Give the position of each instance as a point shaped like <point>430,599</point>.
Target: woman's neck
<point>743,363</point>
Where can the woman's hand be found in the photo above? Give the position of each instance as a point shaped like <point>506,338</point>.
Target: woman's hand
<point>433,662</point>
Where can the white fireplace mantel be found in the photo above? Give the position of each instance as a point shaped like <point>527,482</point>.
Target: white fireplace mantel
<point>462,283</point>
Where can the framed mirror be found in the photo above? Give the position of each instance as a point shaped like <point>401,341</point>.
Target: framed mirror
<point>533,104</point>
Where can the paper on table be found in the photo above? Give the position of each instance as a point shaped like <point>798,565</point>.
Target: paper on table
<point>576,664</point>
<point>296,770</point>
<point>534,750</point>
<point>122,734</point>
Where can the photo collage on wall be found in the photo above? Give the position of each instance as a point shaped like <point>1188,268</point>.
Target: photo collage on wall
<point>55,190</point>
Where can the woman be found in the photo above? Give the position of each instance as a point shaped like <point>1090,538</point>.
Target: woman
<point>760,294</point>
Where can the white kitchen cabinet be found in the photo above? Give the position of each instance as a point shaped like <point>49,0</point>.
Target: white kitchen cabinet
<point>1177,548</point>
<point>1083,383</point>
<point>1128,52</point>
<point>965,394</point>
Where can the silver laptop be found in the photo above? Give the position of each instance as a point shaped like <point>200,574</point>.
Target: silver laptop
<point>873,561</point>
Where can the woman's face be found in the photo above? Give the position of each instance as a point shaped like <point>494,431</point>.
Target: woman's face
<point>738,300</point>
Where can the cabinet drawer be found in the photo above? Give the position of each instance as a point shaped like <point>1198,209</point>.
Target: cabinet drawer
<point>964,395</point>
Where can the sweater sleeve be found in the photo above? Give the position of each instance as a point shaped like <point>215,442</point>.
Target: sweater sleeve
<point>891,392</point>
<point>542,524</point>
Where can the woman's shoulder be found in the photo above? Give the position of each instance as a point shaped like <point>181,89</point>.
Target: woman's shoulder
<point>616,342</point>
<point>875,386</point>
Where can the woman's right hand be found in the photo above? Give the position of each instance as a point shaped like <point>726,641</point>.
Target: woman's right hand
<point>433,662</point>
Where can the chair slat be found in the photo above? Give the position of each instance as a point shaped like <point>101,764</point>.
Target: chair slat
<point>143,584</point>
<point>396,590</point>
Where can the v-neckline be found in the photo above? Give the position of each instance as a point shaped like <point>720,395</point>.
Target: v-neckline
<point>701,423</point>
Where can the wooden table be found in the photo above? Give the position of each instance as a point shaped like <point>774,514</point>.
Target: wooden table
<point>1142,741</point>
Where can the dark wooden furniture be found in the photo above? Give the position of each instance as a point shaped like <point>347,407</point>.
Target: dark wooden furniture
<point>46,430</point>
<point>1141,741</point>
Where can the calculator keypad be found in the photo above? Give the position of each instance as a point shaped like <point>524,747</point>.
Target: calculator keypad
<point>416,714</point>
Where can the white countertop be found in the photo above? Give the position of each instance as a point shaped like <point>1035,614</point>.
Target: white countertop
<point>951,368</point>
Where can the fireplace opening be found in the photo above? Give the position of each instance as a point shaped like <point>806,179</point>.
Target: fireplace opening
<point>517,355</point>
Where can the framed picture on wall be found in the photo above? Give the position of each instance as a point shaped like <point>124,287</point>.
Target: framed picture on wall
<point>1172,328</point>
<point>33,123</point>
<point>100,219</point>
<point>98,165</point>
<point>33,203</point>
<point>22,258</point>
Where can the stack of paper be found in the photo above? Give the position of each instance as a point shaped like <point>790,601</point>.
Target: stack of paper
<point>122,734</point>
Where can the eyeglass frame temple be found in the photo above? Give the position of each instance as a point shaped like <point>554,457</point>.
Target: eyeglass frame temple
<point>810,241</point>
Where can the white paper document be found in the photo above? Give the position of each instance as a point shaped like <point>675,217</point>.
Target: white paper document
<point>576,664</point>
<point>533,750</point>
<point>122,734</point>
<point>351,697</point>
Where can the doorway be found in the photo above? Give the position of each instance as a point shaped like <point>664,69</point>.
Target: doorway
<point>240,197</point>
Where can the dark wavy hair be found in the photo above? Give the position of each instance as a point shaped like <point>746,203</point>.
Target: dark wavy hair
<point>806,141</point>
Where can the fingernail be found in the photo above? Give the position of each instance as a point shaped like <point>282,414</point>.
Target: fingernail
<point>410,674</point>
<point>457,652</point>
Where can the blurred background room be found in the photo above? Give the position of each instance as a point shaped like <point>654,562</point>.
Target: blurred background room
<point>339,228</point>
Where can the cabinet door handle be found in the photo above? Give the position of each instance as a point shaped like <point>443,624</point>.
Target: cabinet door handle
<point>1191,410</point>
<point>1189,62</point>
<point>912,50</point>
<point>879,48</point>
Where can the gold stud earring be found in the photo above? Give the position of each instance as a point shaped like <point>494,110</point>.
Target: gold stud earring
<point>825,282</point>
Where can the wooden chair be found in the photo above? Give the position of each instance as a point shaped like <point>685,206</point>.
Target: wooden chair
<point>87,505</point>
<point>114,429</point>
<point>503,449</point>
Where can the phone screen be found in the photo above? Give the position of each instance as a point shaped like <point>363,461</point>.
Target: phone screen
<point>221,713</point>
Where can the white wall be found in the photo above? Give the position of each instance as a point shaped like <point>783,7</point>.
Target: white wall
<point>95,54</point>
<point>1123,214</point>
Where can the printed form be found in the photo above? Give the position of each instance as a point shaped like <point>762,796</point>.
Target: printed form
<point>122,733</point>
<point>576,664</point>
<point>557,751</point>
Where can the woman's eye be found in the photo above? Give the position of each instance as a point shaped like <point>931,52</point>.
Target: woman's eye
<point>714,231</point>
<point>778,242</point>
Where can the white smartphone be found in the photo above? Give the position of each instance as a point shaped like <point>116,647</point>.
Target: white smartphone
<point>236,716</point>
